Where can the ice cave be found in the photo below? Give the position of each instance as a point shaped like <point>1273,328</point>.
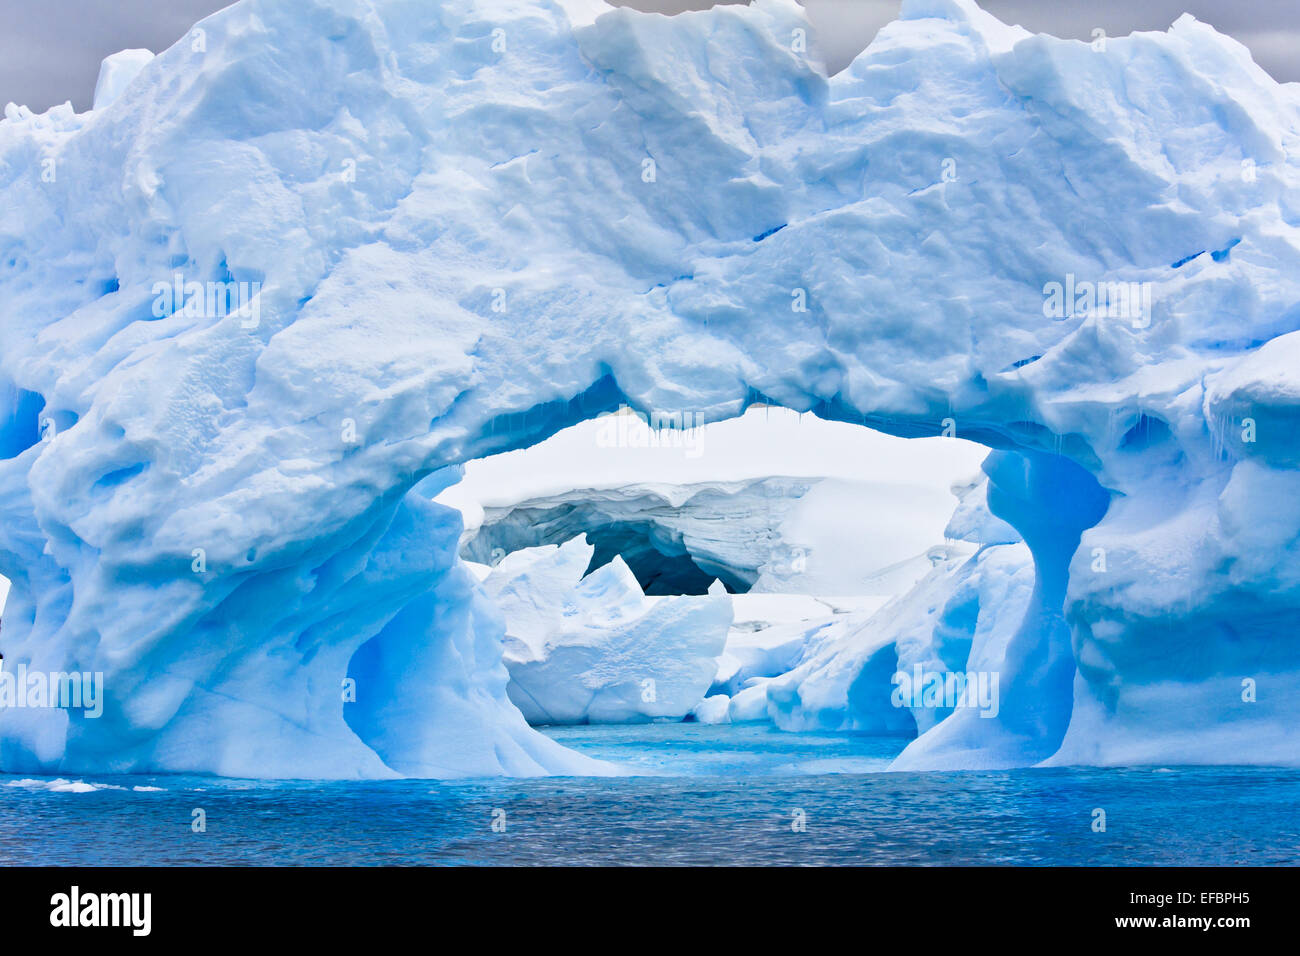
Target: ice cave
<point>469,231</point>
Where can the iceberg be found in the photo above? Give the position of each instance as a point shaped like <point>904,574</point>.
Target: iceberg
<point>590,648</point>
<point>713,710</point>
<point>116,72</point>
<point>770,635</point>
<point>929,661</point>
<point>315,257</point>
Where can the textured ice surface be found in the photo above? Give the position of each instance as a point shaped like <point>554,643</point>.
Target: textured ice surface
<point>592,649</point>
<point>116,72</point>
<point>770,634</point>
<point>457,228</point>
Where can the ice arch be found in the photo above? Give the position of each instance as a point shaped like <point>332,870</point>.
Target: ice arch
<point>676,539</point>
<point>662,562</point>
<point>465,226</point>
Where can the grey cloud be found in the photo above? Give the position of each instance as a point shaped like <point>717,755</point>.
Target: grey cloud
<point>1269,28</point>
<point>50,50</point>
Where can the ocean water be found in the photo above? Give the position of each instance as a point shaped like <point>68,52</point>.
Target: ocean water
<point>741,795</point>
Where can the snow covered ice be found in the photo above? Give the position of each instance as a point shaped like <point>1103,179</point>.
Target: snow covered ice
<point>409,236</point>
<point>116,72</point>
<point>592,649</point>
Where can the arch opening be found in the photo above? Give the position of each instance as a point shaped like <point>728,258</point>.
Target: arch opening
<point>766,580</point>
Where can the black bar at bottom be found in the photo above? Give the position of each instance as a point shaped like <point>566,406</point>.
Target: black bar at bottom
<point>329,906</point>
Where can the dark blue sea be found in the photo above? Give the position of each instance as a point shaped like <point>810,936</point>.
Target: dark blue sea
<point>740,795</point>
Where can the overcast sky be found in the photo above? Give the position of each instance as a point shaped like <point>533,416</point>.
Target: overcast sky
<point>50,49</point>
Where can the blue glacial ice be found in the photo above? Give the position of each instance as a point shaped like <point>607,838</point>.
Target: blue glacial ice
<point>590,648</point>
<point>410,235</point>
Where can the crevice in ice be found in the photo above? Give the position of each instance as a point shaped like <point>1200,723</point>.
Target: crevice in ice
<point>20,420</point>
<point>1021,363</point>
<point>1147,431</point>
<point>1186,259</point>
<point>120,476</point>
<point>103,287</point>
<point>1221,255</point>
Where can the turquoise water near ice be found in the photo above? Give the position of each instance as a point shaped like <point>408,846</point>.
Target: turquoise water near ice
<point>702,795</point>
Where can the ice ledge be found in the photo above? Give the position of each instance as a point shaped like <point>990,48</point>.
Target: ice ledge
<point>116,73</point>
